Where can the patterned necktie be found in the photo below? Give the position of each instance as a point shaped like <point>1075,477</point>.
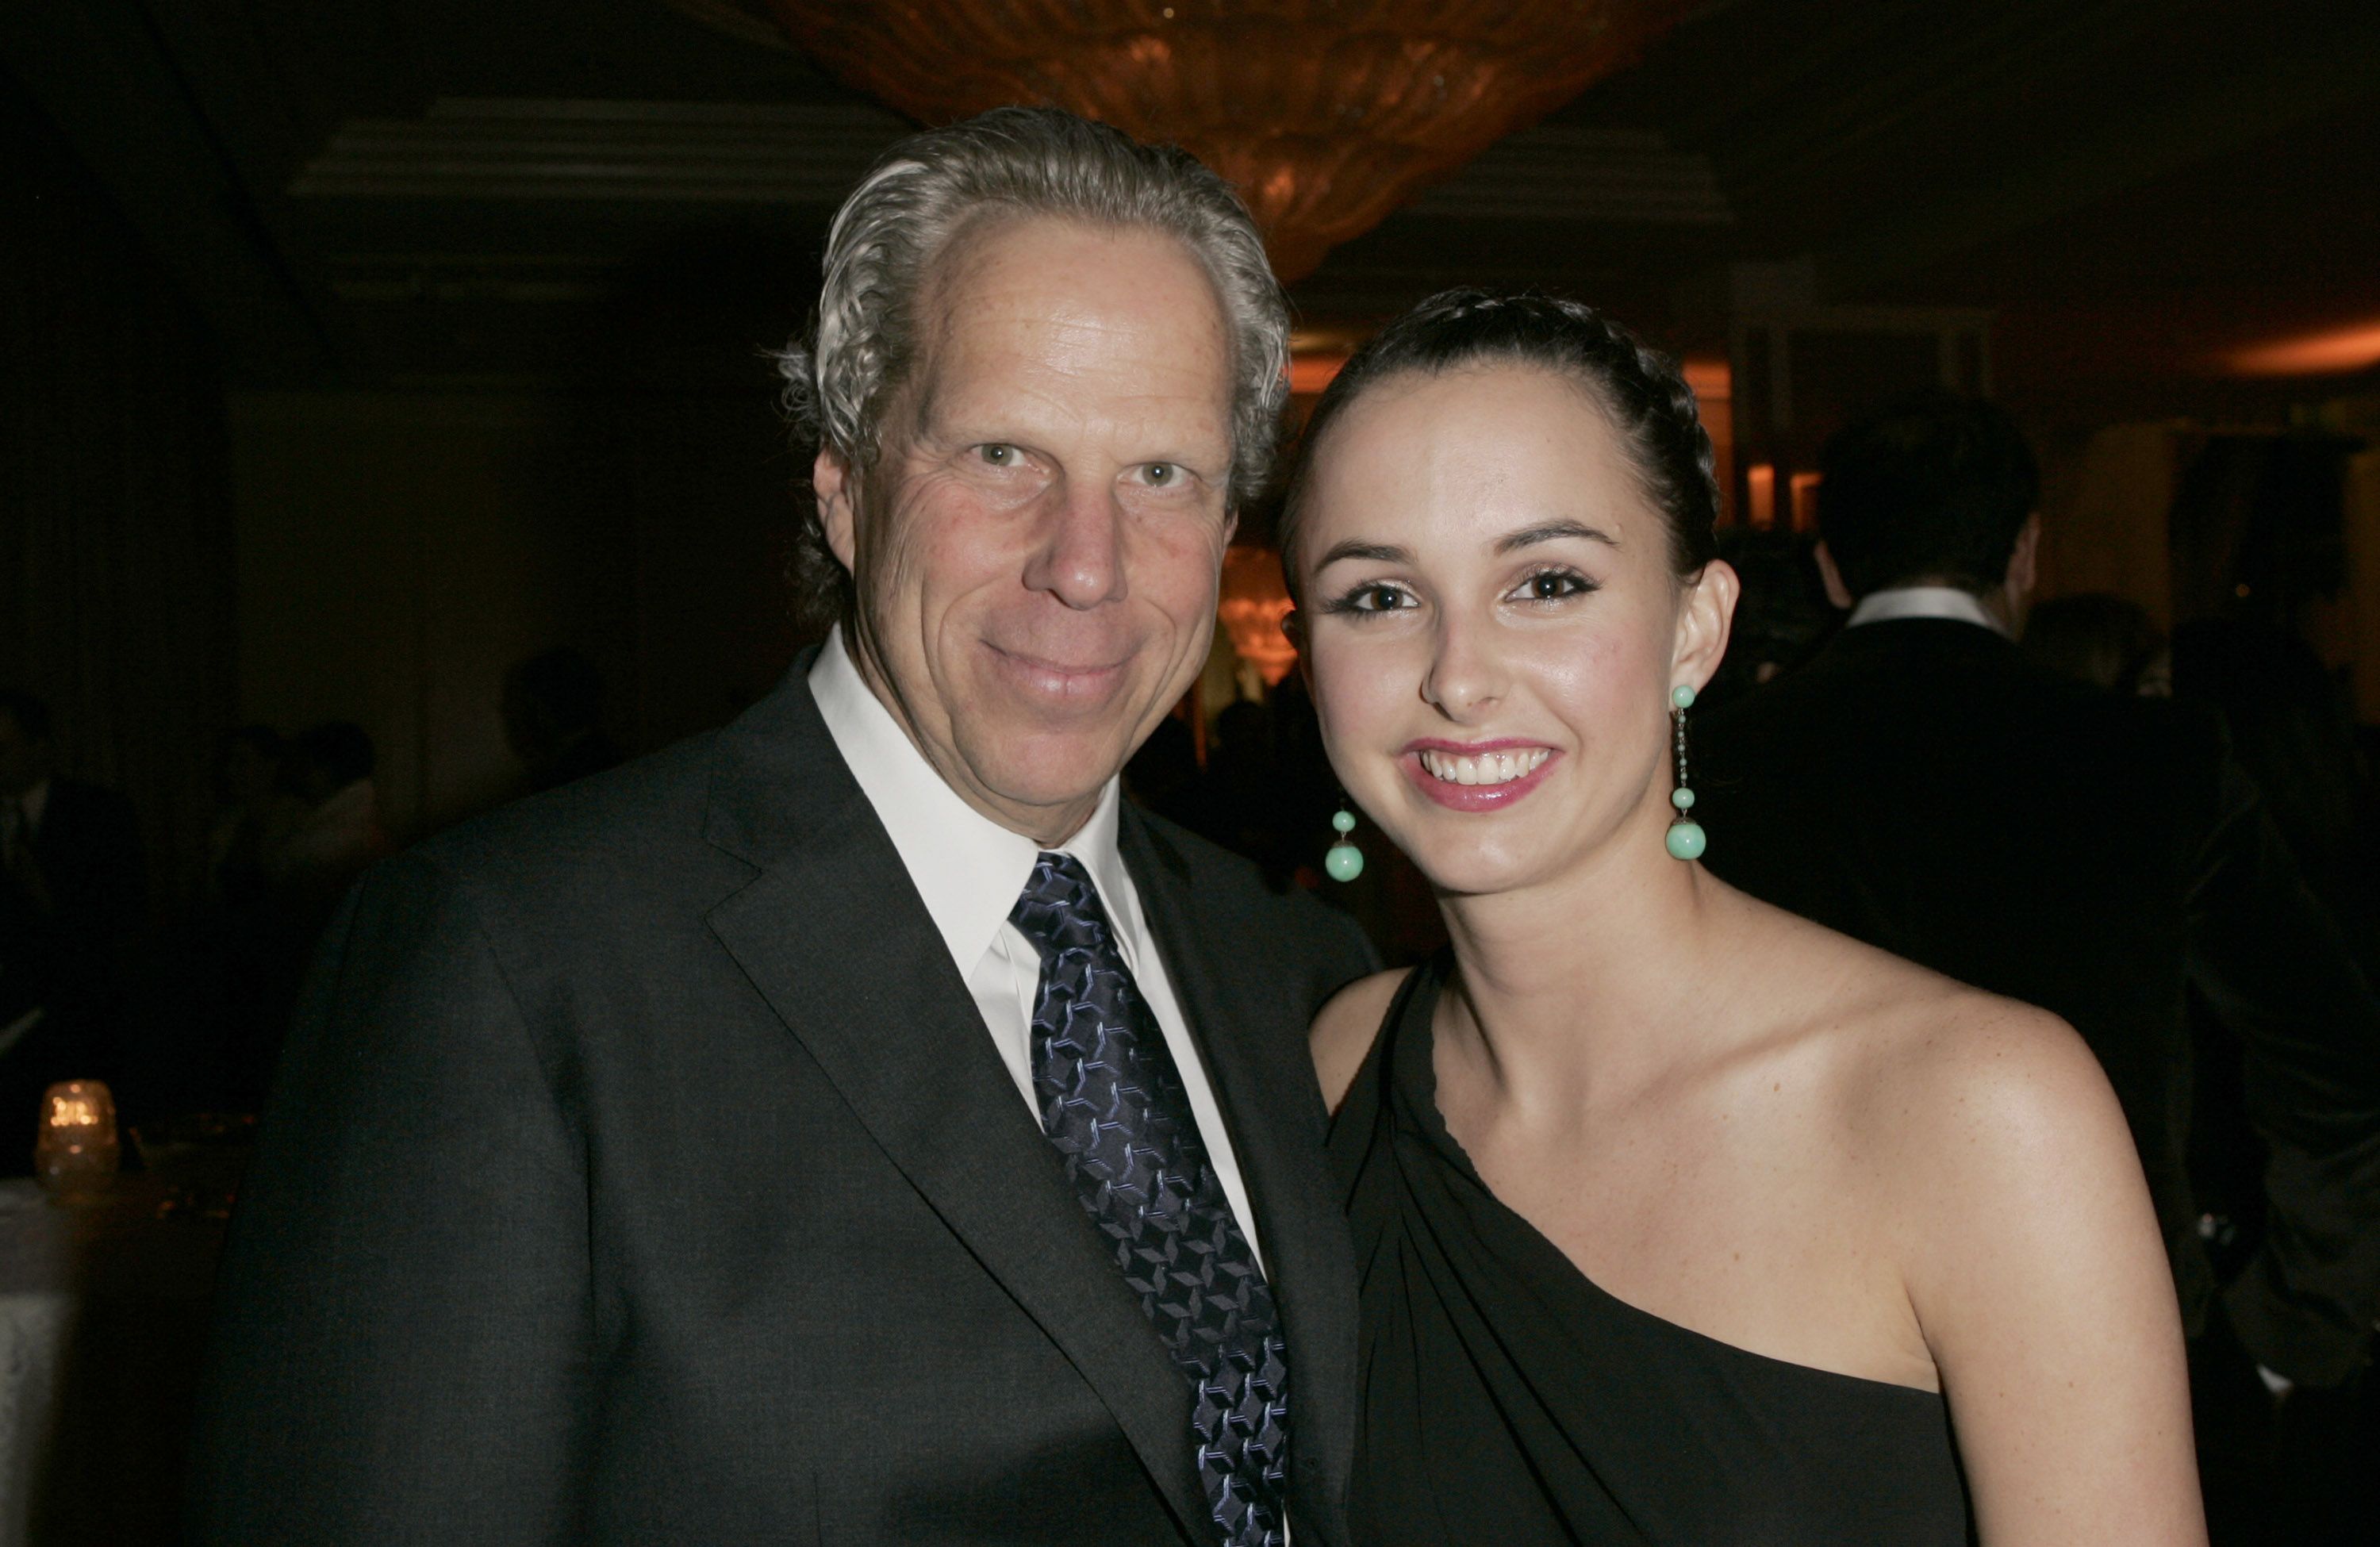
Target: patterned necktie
<point>1113,1102</point>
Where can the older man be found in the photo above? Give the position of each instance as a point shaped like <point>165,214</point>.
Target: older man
<point>853,1126</point>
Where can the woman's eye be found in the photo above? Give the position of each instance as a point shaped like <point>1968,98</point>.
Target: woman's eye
<point>1553,585</point>
<point>1380,598</point>
<point>997,454</point>
<point>1163,474</point>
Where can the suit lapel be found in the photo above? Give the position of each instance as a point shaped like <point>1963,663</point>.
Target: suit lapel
<point>835,938</point>
<point>1254,1056</point>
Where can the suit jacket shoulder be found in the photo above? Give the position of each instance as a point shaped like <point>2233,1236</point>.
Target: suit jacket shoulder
<point>1232,896</point>
<point>605,823</point>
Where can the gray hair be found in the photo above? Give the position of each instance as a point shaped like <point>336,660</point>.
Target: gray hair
<point>862,341</point>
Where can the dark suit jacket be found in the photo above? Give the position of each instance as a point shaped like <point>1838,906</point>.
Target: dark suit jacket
<point>1922,788</point>
<point>641,1171</point>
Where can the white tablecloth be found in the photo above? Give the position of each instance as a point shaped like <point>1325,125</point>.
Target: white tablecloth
<point>102,1311</point>
<point>37,1307</point>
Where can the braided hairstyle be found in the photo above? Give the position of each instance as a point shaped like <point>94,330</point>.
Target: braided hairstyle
<point>1640,390</point>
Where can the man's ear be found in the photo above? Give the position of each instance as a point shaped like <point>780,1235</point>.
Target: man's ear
<point>1832,577</point>
<point>1704,621</point>
<point>836,484</point>
<point>2024,561</point>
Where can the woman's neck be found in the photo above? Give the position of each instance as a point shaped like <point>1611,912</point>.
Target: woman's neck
<point>1582,986</point>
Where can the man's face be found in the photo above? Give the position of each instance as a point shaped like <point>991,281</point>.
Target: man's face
<point>1035,550</point>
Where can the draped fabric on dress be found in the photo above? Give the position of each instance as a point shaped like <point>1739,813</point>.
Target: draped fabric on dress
<point>1509,1399</point>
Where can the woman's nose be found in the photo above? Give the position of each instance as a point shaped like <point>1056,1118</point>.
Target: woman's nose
<point>1466,674</point>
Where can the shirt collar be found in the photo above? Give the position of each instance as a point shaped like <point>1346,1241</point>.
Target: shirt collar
<point>1940,601</point>
<point>968,870</point>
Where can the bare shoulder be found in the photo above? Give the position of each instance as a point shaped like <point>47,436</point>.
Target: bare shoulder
<point>1983,1081</point>
<point>1997,1164</point>
<point>1928,1069</point>
<point>1968,1107</point>
<point>1344,1031</point>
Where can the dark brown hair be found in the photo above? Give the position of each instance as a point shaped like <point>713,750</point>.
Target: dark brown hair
<point>1639,388</point>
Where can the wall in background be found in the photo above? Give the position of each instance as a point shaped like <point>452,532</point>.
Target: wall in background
<point>398,551</point>
<point>2105,500</point>
<point>114,522</point>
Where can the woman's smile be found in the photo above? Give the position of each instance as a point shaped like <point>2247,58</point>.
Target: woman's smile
<point>1479,775</point>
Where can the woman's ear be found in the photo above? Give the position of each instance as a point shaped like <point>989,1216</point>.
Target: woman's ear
<point>836,485</point>
<point>1705,613</point>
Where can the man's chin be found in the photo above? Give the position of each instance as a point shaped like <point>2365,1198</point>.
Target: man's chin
<point>1048,770</point>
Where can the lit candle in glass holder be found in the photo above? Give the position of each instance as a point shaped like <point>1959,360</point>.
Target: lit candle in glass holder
<point>77,1148</point>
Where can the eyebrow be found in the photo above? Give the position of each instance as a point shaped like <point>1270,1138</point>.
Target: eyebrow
<point>1550,531</point>
<point>1380,553</point>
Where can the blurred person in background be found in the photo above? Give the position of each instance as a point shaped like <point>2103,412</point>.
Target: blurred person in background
<point>1783,617</point>
<point>253,813</point>
<point>73,900</point>
<point>554,718</point>
<point>2292,731</point>
<point>1924,788</point>
<point>328,769</point>
<point>209,1007</point>
<point>2108,642</point>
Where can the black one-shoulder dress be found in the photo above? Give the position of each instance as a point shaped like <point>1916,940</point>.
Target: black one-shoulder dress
<point>1509,1400</point>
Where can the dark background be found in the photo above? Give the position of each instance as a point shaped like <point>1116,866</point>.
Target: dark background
<point>357,349</point>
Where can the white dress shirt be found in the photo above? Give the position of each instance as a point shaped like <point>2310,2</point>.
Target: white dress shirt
<point>969,871</point>
<point>1949,602</point>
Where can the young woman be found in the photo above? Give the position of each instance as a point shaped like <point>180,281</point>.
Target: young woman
<point>1679,1219</point>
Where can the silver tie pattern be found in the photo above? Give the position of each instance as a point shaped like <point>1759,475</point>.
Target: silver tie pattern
<point>1113,1102</point>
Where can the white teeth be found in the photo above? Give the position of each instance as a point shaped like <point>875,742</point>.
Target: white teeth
<point>1495,768</point>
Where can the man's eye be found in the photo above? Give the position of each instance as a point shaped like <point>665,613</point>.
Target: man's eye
<point>998,454</point>
<point>1163,473</point>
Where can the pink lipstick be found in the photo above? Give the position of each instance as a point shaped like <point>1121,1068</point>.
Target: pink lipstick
<point>1477,775</point>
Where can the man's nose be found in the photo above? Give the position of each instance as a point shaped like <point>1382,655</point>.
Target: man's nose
<point>1080,557</point>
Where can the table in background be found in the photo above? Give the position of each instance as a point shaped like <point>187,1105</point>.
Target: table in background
<point>103,1315</point>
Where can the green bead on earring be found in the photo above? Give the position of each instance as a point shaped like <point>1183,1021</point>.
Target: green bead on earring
<point>1344,861</point>
<point>1685,838</point>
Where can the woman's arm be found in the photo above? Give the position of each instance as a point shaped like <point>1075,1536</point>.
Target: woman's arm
<point>2033,1264</point>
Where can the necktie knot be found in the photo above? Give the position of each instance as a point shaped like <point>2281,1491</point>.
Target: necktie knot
<point>1060,907</point>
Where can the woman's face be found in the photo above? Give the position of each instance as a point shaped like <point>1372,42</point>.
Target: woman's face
<point>1492,627</point>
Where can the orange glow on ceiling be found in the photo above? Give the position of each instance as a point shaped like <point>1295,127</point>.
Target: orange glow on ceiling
<point>2353,347</point>
<point>1328,117</point>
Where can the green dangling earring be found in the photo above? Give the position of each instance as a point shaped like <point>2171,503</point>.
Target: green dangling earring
<point>1685,836</point>
<point>1344,861</point>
